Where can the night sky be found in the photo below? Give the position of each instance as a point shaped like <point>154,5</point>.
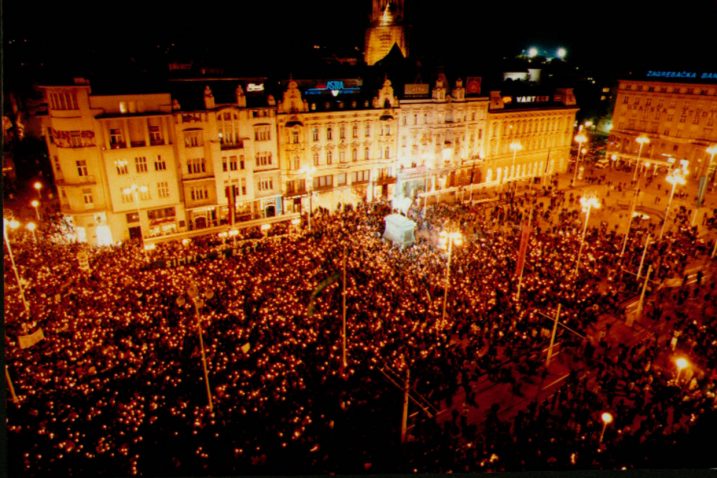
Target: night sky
<point>608,34</point>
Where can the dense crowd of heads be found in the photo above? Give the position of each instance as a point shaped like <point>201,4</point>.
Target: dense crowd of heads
<point>116,386</point>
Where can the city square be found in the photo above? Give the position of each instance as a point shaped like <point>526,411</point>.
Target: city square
<point>362,259</point>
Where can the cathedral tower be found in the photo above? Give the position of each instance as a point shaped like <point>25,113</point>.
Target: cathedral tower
<point>386,30</point>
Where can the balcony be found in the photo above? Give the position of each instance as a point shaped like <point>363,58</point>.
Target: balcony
<point>76,181</point>
<point>118,145</point>
<point>227,145</point>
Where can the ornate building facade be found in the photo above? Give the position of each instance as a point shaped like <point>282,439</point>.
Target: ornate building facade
<point>386,30</point>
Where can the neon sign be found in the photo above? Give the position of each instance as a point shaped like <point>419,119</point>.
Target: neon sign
<point>707,75</point>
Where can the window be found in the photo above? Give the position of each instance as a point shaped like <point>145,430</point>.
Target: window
<point>243,187</point>
<point>263,159</point>
<point>361,176</point>
<point>163,214</point>
<point>316,158</point>
<point>323,182</point>
<point>87,198</point>
<point>262,133</point>
<point>160,164</point>
<point>121,166</point>
<point>329,133</point>
<point>354,155</point>
<point>57,164</point>
<point>342,132</point>
<point>140,164</point>
<point>354,131</point>
<point>81,167</point>
<point>225,164</point>
<point>198,193</point>
<point>127,196</point>
<point>116,139</point>
<point>144,194</point>
<point>196,166</point>
<point>163,189</point>
<point>155,135</point>
<point>387,153</point>
<point>295,137</point>
<point>314,134</point>
<point>228,129</point>
<point>232,163</point>
<point>75,139</point>
<point>367,132</point>
<point>329,157</point>
<point>266,184</point>
<point>341,179</point>
<point>64,100</point>
<point>241,162</point>
<point>365,154</point>
<point>342,156</point>
<point>193,138</point>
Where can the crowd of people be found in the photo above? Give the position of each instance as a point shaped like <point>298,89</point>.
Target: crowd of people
<point>116,387</point>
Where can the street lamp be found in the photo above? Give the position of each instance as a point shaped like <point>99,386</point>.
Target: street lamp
<point>446,241</point>
<point>135,190</point>
<point>38,187</point>
<point>642,141</point>
<point>681,363</point>
<point>31,226</point>
<point>515,146</point>
<point>14,224</point>
<point>712,150</point>
<point>36,204</point>
<point>675,177</point>
<point>580,139</point>
<point>265,229</point>
<point>309,171</point>
<point>587,203</point>
<point>606,418</point>
<point>197,299</point>
<point>233,233</point>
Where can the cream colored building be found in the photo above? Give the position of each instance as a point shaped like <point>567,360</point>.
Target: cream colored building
<point>386,30</point>
<point>339,149</point>
<point>678,118</point>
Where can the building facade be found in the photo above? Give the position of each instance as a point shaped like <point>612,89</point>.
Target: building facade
<point>211,154</point>
<point>386,30</point>
<point>678,118</point>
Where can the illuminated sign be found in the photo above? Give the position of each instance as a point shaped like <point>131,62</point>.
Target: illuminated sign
<point>532,99</point>
<point>473,85</point>
<point>335,87</point>
<point>416,89</point>
<point>682,74</point>
<point>251,87</point>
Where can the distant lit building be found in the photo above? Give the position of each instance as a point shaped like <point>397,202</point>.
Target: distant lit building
<point>678,115</point>
<point>386,30</point>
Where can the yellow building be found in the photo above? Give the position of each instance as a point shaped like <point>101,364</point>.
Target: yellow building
<point>528,136</point>
<point>677,117</point>
<point>386,30</point>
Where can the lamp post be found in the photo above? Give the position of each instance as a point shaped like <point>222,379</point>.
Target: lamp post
<point>606,418</point>
<point>515,146</point>
<point>14,224</point>
<point>38,187</point>
<point>712,150</point>
<point>343,310</point>
<point>580,139</point>
<point>629,222</point>
<point>36,204</point>
<point>674,178</point>
<point>681,363</point>
<point>135,190</point>
<point>31,226</point>
<point>197,299</point>
<point>642,141</point>
<point>447,239</point>
<point>309,171</point>
<point>587,204</point>
<point>234,233</point>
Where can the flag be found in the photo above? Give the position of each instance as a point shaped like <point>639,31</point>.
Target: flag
<point>523,249</point>
<point>27,341</point>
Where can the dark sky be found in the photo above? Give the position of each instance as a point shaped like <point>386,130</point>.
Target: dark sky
<point>605,34</point>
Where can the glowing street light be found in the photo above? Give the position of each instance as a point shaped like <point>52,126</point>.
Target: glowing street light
<point>14,224</point>
<point>642,141</point>
<point>562,53</point>
<point>38,187</point>
<point>31,226</point>
<point>197,300</point>
<point>265,229</point>
<point>36,204</point>
<point>587,203</point>
<point>606,418</point>
<point>446,241</point>
<point>675,177</point>
<point>532,52</point>
<point>580,139</point>
<point>681,363</point>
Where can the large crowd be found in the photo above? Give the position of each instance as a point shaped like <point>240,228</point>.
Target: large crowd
<point>116,387</point>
